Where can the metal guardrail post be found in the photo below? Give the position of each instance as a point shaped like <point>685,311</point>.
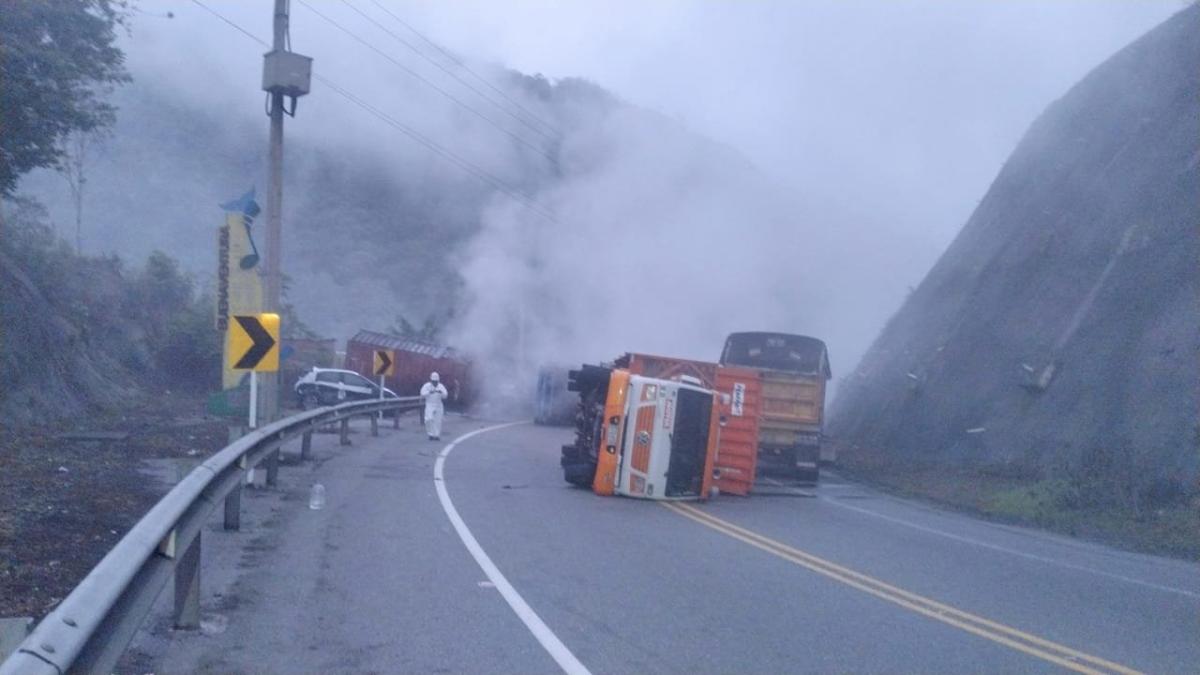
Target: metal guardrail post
<point>273,468</point>
<point>396,419</point>
<point>306,445</point>
<point>187,587</point>
<point>374,425</point>
<point>345,432</point>
<point>233,508</point>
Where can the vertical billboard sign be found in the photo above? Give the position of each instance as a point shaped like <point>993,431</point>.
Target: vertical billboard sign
<point>239,274</point>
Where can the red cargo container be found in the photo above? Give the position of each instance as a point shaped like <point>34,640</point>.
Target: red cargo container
<point>415,360</point>
<point>737,447</point>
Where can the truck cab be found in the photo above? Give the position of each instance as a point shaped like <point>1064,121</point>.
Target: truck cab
<point>642,437</point>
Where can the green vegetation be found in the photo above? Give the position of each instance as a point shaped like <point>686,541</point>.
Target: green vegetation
<point>1087,503</point>
<point>57,60</point>
<point>81,332</point>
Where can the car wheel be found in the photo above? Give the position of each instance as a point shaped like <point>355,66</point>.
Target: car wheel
<point>309,401</point>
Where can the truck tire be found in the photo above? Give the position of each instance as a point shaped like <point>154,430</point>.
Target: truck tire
<point>579,459</point>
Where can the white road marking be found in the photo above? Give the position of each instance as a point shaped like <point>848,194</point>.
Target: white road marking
<point>1021,554</point>
<point>546,637</point>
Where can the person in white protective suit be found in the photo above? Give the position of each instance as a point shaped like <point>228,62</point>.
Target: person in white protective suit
<point>434,392</point>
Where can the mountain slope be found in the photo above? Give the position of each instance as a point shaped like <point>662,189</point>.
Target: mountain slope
<point>1059,332</point>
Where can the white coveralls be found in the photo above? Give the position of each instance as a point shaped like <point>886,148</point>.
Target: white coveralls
<point>433,392</point>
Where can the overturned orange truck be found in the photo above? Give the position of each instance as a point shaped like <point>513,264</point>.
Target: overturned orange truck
<point>666,428</point>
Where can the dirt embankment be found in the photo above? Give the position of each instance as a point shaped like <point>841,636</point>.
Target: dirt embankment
<point>1057,337</point>
<point>66,500</point>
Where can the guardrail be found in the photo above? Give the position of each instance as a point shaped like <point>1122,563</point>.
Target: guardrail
<point>90,629</point>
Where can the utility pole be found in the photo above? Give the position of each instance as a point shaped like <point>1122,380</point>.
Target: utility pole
<point>275,169</point>
<point>271,300</point>
<point>285,74</point>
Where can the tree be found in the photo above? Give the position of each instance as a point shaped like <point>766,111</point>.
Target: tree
<point>58,59</point>
<point>293,327</point>
<point>75,151</point>
<point>429,331</point>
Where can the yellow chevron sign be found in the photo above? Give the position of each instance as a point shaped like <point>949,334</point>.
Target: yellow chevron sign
<point>384,362</point>
<point>254,342</point>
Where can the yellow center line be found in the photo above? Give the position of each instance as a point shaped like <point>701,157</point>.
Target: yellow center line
<point>996,632</point>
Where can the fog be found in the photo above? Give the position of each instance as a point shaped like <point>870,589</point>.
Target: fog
<point>846,144</point>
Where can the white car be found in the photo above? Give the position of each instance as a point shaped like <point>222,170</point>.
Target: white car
<point>330,386</point>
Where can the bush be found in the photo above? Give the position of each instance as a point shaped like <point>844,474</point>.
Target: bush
<point>102,332</point>
<point>1044,502</point>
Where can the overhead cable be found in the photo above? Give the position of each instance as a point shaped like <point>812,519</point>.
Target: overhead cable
<point>533,146</point>
<point>554,133</point>
<point>516,194</point>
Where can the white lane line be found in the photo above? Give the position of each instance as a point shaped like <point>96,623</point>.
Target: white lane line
<point>549,641</point>
<point>1022,554</point>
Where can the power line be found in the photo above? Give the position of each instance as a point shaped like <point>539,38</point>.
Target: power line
<point>527,200</point>
<point>517,195</point>
<point>430,83</point>
<point>236,27</point>
<point>554,134</point>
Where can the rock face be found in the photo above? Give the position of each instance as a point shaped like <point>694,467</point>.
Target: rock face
<point>1060,331</point>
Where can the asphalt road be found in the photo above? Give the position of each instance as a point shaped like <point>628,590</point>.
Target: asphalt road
<point>511,570</point>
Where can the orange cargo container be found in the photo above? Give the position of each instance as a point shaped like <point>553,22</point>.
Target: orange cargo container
<point>737,442</point>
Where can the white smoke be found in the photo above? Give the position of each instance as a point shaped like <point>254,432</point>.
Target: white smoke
<point>661,242</point>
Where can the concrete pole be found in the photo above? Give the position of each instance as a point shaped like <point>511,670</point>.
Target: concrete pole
<point>274,281</point>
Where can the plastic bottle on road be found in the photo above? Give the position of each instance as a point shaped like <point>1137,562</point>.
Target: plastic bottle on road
<point>316,497</point>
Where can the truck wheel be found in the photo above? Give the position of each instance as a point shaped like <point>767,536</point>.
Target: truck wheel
<point>579,460</point>
<point>576,470</point>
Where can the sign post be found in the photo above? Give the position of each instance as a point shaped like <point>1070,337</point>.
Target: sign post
<point>253,416</point>
<point>254,346</point>
<point>383,364</point>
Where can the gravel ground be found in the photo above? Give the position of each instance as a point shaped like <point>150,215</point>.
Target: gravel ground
<point>64,503</point>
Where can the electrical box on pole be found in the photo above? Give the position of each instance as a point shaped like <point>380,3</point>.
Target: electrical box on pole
<point>286,73</point>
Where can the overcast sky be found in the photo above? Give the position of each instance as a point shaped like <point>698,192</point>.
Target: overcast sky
<point>893,116</point>
<point>901,109</point>
<point>814,91</point>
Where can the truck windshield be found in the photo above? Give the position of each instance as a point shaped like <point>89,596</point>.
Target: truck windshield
<point>777,351</point>
<point>689,443</point>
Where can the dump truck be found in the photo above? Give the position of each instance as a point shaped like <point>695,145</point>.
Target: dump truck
<point>643,437</point>
<point>780,380</point>
<point>793,370</point>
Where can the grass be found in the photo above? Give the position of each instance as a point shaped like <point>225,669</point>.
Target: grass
<point>1053,504</point>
